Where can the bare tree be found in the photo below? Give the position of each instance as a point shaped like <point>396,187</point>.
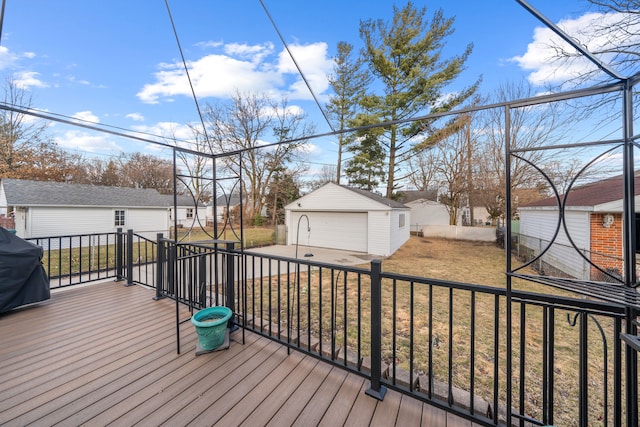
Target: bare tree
<point>240,128</point>
<point>196,170</point>
<point>20,135</point>
<point>613,36</point>
<point>140,170</point>
<point>530,128</point>
<point>446,166</point>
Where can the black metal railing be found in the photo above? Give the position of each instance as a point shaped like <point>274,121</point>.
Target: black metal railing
<point>80,258</point>
<point>439,341</point>
<point>558,360</point>
<point>75,259</point>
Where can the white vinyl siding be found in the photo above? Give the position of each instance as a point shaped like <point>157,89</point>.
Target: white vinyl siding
<point>54,221</point>
<point>337,230</point>
<point>399,234</point>
<point>537,228</point>
<point>339,199</point>
<point>3,201</point>
<point>343,219</point>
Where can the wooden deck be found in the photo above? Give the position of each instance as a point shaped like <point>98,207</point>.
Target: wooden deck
<point>105,354</point>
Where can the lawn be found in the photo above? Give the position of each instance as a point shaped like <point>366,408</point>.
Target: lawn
<point>423,315</point>
<point>252,236</point>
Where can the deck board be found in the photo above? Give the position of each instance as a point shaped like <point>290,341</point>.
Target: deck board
<point>105,354</point>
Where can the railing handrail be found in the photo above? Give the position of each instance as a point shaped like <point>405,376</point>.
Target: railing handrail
<point>259,287</point>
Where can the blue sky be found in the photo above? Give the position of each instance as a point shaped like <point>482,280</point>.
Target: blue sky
<point>117,62</point>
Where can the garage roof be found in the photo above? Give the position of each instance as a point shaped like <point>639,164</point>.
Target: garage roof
<point>337,200</point>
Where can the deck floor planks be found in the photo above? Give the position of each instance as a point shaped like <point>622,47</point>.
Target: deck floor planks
<point>432,416</point>
<point>110,391</point>
<point>72,322</point>
<point>247,404</point>
<point>410,412</point>
<point>106,353</point>
<point>78,354</point>
<point>269,406</point>
<point>298,400</point>
<point>339,409</point>
<point>224,402</point>
<point>160,381</point>
<point>322,399</point>
<point>363,408</point>
<point>229,378</point>
<point>102,339</point>
<point>87,381</point>
<point>184,390</point>
<point>387,411</point>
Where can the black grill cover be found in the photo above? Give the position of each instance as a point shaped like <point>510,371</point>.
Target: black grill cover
<point>23,279</point>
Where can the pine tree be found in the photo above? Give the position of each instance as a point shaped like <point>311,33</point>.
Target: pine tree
<point>405,56</point>
<point>349,82</point>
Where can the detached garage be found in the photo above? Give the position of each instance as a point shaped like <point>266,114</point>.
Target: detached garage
<point>349,219</point>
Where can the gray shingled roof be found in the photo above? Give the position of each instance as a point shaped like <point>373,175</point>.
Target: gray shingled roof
<point>373,196</point>
<point>21,192</point>
<point>592,194</point>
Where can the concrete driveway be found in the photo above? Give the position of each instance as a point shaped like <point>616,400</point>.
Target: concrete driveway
<point>324,255</point>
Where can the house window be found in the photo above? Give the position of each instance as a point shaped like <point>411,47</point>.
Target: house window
<point>401,221</point>
<point>189,212</point>
<point>119,218</point>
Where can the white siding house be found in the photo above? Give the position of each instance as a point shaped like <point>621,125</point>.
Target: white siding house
<point>537,227</point>
<point>45,209</point>
<point>427,212</point>
<point>593,219</point>
<point>340,217</point>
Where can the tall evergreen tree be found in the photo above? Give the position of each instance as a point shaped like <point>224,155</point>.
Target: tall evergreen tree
<point>365,169</point>
<point>349,82</point>
<point>405,56</point>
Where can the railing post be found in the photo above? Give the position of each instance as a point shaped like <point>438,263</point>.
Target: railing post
<point>171,279</point>
<point>119,254</point>
<point>376,390</point>
<point>160,278</point>
<point>129,258</point>
<point>202,280</point>
<point>230,297</point>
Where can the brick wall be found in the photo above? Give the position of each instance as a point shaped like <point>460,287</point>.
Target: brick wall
<point>7,222</point>
<point>606,245</point>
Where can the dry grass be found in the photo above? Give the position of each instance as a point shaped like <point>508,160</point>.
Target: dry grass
<point>253,236</point>
<point>427,316</point>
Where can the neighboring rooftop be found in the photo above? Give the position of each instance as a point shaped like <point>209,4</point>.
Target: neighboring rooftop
<point>376,197</point>
<point>20,192</point>
<point>407,196</point>
<point>593,194</point>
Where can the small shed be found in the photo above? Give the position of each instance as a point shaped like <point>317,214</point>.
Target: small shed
<point>593,217</point>
<point>340,217</point>
<point>44,209</point>
<point>427,212</point>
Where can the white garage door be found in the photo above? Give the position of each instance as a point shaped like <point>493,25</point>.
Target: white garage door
<point>336,230</point>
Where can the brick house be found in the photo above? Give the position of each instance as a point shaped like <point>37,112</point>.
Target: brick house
<point>593,219</point>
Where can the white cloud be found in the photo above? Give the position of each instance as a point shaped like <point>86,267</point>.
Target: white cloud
<point>73,79</point>
<point>28,79</point>
<point>86,116</point>
<point>245,68</point>
<point>7,58</point>
<point>167,130</point>
<point>136,117</point>
<point>209,44</point>
<point>541,59</point>
<point>83,141</point>
<point>315,65</point>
